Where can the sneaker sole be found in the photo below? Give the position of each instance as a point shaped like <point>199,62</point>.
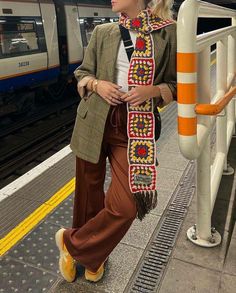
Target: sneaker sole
<point>94,281</point>
<point>102,274</point>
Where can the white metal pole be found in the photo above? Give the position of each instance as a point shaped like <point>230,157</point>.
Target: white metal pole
<point>203,162</point>
<point>234,37</point>
<point>231,73</point>
<point>221,85</point>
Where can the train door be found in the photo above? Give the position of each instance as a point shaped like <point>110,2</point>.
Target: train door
<point>74,42</point>
<point>48,13</point>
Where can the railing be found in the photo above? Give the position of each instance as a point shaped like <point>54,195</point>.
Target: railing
<point>198,112</point>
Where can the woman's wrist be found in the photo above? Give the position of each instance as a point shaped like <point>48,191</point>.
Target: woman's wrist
<point>156,91</point>
<point>94,85</point>
<point>90,85</point>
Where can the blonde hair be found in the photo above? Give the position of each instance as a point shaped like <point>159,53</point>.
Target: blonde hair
<point>161,8</point>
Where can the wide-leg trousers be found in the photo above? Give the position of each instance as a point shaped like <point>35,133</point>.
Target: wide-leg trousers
<point>101,220</point>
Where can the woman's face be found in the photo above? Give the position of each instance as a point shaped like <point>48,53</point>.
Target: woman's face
<point>124,5</point>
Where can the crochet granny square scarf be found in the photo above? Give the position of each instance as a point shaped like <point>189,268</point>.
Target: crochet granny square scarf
<point>141,150</point>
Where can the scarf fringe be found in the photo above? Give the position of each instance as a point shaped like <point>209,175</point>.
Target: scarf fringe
<point>145,202</point>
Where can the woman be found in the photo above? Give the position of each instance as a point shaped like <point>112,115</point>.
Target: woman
<point>113,92</point>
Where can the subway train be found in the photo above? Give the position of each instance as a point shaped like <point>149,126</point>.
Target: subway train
<point>41,44</point>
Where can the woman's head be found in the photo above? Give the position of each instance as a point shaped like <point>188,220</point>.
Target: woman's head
<point>124,5</point>
<point>161,8</point>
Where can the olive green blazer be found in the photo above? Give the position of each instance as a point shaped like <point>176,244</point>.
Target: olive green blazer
<point>99,61</point>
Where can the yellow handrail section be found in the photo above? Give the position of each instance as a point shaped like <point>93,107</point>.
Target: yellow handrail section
<point>214,109</point>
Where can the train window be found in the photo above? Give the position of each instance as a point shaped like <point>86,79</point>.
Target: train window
<point>18,37</point>
<point>88,24</point>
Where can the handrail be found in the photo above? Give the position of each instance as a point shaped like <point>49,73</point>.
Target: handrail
<point>212,10</point>
<point>214,109</point>
<point>210,38</point>
<point>197,109</point>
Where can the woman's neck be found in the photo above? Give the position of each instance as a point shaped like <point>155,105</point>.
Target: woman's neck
<point>132,13</point>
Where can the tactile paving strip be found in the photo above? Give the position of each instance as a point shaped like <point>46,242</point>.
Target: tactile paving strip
<point>38,248</point>
<point>23,277</point>
<point>63,214</point>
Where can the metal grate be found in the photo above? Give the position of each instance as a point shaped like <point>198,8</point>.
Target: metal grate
<point>157,253</point>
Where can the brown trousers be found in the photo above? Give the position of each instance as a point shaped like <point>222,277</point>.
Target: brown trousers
<point>100,221</point>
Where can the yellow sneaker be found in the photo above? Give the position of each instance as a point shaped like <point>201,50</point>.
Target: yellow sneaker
<point>94,277</point>
<point>67,264</point>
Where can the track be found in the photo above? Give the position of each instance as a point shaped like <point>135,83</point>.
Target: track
<point>29,142</point>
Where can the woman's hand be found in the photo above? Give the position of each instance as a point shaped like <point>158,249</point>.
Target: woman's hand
<point>110,92</point>
<point>138,94</point>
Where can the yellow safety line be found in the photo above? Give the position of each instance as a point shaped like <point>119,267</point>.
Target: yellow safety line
<point>41,212</point>
<point>33,219</point>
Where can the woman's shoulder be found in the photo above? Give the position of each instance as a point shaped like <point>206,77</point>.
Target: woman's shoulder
<point>172,31</point>
<point>167,31</point>
<point>107,27</point>
<point>172,26</point>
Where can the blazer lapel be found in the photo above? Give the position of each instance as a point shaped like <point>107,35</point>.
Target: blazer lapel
<point>113,40</point>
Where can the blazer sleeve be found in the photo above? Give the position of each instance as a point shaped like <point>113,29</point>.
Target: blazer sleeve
<point>168,89</point>
<point>87,70</point>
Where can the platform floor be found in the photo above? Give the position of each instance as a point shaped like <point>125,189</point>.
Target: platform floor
<point>207,270</point>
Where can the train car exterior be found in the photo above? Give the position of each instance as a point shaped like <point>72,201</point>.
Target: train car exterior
<point>29,51</point>
<point>41,44</point>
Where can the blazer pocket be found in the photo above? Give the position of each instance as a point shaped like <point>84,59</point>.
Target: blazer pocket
<point>82,108</point>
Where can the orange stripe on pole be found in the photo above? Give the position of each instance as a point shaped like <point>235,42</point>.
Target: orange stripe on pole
<point>187,126</point>
<point>186,62</point>
<point>187,93</point>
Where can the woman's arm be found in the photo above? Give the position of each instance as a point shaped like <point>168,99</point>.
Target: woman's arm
<point>168,90</point>
<point>87,70</point>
